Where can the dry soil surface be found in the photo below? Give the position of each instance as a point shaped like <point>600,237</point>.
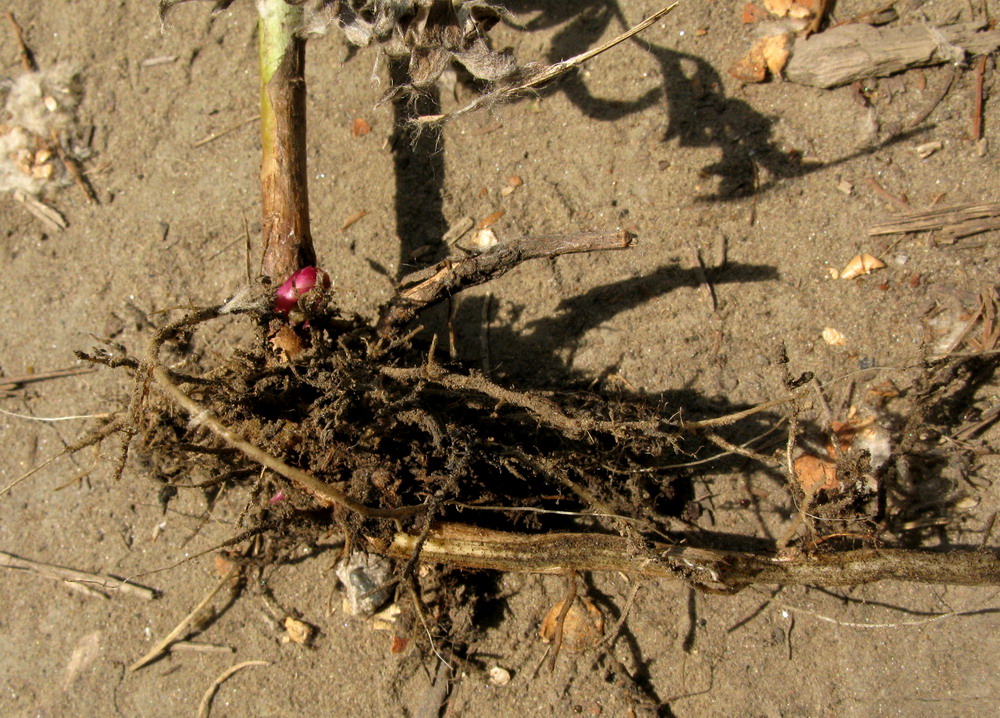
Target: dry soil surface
<point>654,137</point>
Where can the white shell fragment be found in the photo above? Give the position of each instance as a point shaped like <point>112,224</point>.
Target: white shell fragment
<point>927,149</point>
<point>482,240</point>
<point>861,264</point>
<point>833,337</point>
<point>499,676</point>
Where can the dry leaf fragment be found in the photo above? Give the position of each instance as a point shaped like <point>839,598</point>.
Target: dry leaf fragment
<point>287,343</point>
<point>815,474</point>
<point>796,9</point>
<point>846,432</point>
<point>750,68</point>
<point>87,650</point>
<point>513,182</point>
<point>223,564</point>
<point>582,627</point>
<point>778,7</point>
<point>751,13</point>
<point>886,390</point>
<point>833,337</point>
<point>776,50</point>
<point>360,127</point>
<point>861,264</point>
<point>767,54</point>
<point>297,631</point>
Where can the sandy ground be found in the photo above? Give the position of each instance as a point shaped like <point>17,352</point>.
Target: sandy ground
<point>654,137</point>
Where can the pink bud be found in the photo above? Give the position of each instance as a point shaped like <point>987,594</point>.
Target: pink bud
<point>296,285</point>
<point>277,498</point>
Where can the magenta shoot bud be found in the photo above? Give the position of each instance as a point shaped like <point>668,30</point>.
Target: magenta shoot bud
<point>297,285</point>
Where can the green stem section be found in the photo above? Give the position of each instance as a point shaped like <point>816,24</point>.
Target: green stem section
<point>283,180</point>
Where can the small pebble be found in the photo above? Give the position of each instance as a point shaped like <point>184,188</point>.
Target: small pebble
<point>499,676</point>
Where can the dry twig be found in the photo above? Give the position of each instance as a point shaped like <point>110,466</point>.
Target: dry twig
<point>222,133</point>
<point>977,112</point>
<point>27,56</point>
<point>540,75</point>
<point>709,569</point>
<point>74,576</point>
<point>161,647</point>
<point>205,707</point>
<point>49,216</point>
<point>954,222</point>
<point>567,604</point>
<point>447,278</point>
<point>12,382</point>
<point>848,53</point>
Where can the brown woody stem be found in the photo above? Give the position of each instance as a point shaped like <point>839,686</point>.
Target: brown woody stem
<point>437,283</point>
<point>726,571</point>
<point>283,181</point>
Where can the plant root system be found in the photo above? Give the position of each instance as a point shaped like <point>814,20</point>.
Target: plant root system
<point>424,461</point>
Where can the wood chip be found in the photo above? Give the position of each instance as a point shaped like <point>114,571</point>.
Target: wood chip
<point>351,219</point>
<point>954,222</point>
<point>491,219</point>
<point>842,55</point>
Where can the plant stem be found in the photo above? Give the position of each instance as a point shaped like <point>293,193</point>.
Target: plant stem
<point>283,182</point>
<point>711,569</point>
